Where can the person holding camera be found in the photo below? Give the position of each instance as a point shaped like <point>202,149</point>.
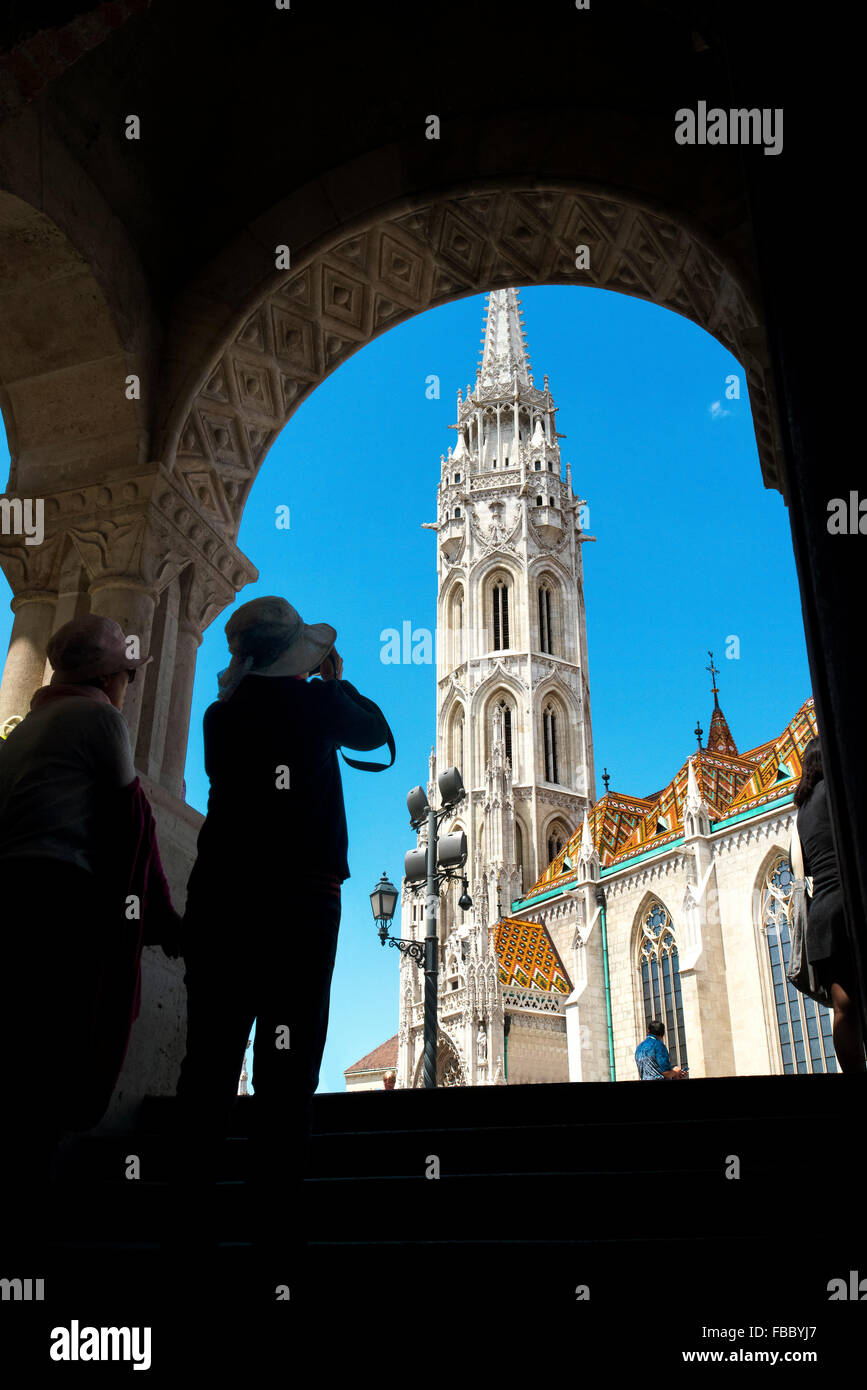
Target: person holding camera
<point>263,903</point>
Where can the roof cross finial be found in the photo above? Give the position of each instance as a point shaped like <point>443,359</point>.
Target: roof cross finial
<point>714,672</point>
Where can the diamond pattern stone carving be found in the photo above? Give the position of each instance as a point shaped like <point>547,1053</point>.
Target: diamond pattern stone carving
<point>322,313</point>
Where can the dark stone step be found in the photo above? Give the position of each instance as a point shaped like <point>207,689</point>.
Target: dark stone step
<point>555,1207</point>
<point>628,1103</point>
<point>701,1144</point>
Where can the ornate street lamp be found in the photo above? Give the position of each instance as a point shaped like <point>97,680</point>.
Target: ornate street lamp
<point>383,901</point>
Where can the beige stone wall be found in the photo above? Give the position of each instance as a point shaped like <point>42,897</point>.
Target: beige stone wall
<point>745,855</point>
<point>365,1081</point>
<point>537,1050</point>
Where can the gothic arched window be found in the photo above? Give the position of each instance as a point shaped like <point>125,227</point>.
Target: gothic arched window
<point>501,615</point>
<point>519,849</point>
<point>546,633</point>
<point>456,623</point>
<point>507,731</point>
<point>458,743</point>
<point>803,1026</point>
<point>557,838</point>
<point>457,511</point>
<point>549,743</point>
<point>660,979</point>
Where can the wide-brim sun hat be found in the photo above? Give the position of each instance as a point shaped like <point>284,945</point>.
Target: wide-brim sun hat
<point>90,646</point>
<point>273,622</point>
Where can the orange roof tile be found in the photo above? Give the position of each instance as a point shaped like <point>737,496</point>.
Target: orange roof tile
<point>527,956</point>
<point>382,1058</point>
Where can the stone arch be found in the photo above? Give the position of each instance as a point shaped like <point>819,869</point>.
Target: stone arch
<point>552,612</point>
<point>522,835</point>
<point>497,677</point>
<point>500,690</point>
<point>676,924</point>
<point>483,581</point>
<point>763,960</point>
<point>554,696</point>
<point>555,824</point>
<point>231,396</point>
<point>453,607</point>
<point>65,353</point>
<point>449,1063</point>
<point>457,737</point>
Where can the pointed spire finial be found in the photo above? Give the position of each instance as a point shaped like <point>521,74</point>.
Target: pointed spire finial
<point>606,778</point>
<point>586,839</point>
<point>698,731</point>
<point>692,796</point>
<point>504,357</point>
<point>714,672</point>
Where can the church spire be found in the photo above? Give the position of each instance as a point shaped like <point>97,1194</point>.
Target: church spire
<point>504,355</point>
<point>719,739</point>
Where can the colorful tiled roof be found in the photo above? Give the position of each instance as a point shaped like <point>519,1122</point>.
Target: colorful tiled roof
<point>526,956</point>
<point>719,777</point>
<point>622,826</point>
<point>779,768</point>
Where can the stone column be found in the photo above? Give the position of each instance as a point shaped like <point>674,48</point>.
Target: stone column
<point>131,603</point>
<point>25,662</point>
<point>181,699</point>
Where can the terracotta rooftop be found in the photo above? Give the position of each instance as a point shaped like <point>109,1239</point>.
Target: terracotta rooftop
<point>382,1058</point>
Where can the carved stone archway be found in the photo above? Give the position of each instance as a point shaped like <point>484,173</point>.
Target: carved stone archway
<point>450,1068</point>
<point>395,266</point>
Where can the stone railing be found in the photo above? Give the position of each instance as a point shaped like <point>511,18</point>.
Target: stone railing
<point>536,1000</point>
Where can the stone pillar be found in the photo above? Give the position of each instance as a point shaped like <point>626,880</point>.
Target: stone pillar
<point>131,603</point>
<point>25,662</point>
<point>181,699</point>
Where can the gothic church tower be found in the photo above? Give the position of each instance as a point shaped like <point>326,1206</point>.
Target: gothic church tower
<point>513,702</point>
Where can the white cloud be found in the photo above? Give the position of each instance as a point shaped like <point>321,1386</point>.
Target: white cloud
<point>717,412</point>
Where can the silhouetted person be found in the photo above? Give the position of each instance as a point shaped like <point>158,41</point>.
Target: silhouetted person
<point>263,905</point>
<point>77,845</point>
<point>652,1056</point>
<point>827,941</point>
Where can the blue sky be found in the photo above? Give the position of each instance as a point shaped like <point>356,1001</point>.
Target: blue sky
<point>691,550</point>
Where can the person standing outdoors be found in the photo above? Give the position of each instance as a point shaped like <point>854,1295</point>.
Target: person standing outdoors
<point>652,1057</point>
<point>263,902</point>
<point>77,845</point>
<point>827,941</point>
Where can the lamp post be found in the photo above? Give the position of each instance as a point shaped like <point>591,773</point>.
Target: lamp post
<point>420,869</point>
<point>383,900</point>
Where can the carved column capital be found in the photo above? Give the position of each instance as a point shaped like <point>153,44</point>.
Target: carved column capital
<point>137,531</point>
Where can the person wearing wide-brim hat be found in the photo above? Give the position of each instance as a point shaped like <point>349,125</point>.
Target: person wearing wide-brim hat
<point>77,837</point>
<point>263,901</point>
